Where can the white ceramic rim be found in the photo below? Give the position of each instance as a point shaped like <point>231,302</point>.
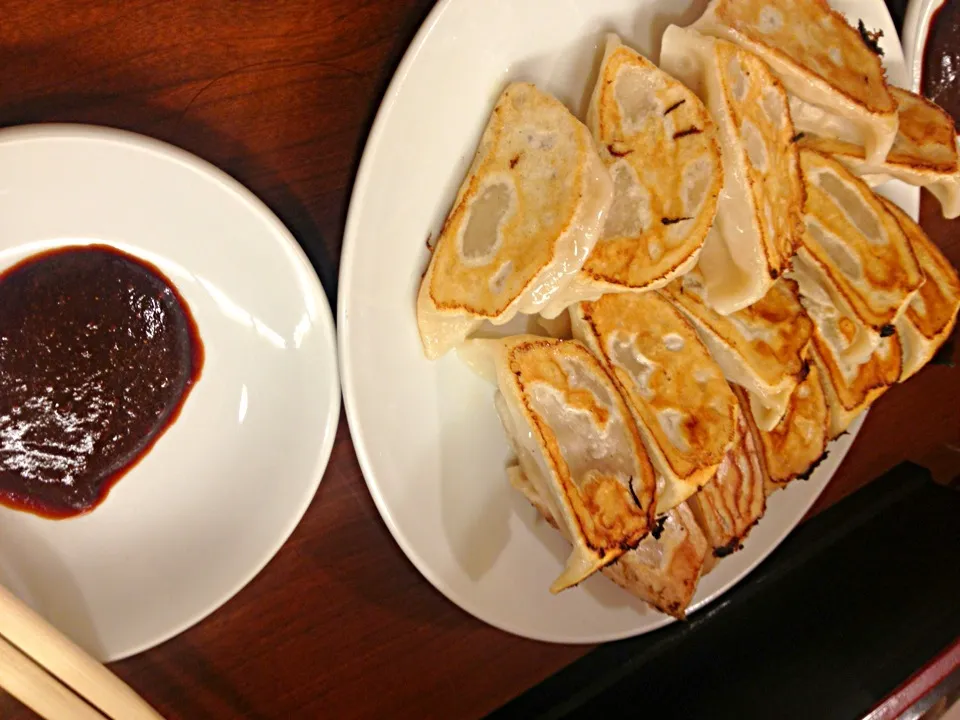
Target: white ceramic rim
<point>343,281</point>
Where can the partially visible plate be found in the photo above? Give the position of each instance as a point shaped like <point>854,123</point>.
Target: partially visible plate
<point>427,436</point>
<point>224,487</point>
<point>916,27</point>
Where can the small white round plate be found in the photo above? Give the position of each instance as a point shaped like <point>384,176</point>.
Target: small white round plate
<point>427,436</point>
<point>224,487</point>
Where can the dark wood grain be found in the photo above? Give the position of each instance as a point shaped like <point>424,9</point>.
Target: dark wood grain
<point>280,95</point>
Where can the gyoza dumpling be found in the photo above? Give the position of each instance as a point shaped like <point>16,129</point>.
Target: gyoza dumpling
<point>833,77</point>
<point>856,365</point>
<point>798,442</point>
<point>758,217</point>
<point>855,267</point>
<point>932,312</point>
<point>730,505</point>
<point>685,410</point>
<point>760,348</point>
<point>577,443</point>
<point>527,215</point>
<point>924,152</point>
<point>663,570</point>
<point>850,388</point>
<point>660,145</point>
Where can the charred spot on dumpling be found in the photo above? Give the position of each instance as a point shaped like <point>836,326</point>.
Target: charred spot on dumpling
<point>887,330</point>
<point>871,38</point>
<point>633,492</point>
<point>673,107</point>
<point>674,221</point>
<point>676,609</point>
<point>729,549</point>
<point>687,132</point>
<point>618,151</point>
<point>816,463</point>
<point>804,371</point>
<point>657,529</point>
<point>798,137</point>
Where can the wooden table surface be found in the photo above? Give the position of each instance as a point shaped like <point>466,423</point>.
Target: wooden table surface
<point>281,95</point>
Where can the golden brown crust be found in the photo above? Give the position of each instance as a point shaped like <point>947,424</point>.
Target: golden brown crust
<point>925,142</point>
<point>940,294</point>
<point>923,124</point>
<point>859,76</point>
<point>663,571</point>
<point>669,585</point>
<point>730,505</point>
<point>600,505</point>
<point>707,409</point>
<point>781,326</point>
<point>799,440</point>
<point>657,151</point>
<point>456,286</point>
<point>872,379</point>
<point>888,270</point>
<point>777,189</point>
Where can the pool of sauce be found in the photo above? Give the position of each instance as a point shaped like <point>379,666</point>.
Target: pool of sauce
<point>98,353</point>
<point>941,60</point>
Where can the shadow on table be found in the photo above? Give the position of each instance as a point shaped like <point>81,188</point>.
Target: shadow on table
<point>180,128</point>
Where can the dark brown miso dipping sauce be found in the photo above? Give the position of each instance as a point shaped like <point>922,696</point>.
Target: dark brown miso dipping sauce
<point>941,63</point>
<point>98,352</point>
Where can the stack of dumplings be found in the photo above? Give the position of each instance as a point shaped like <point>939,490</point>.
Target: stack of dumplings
<point>684,409</point>
<point>577,444</point>
<point>719,292</point>
<point>659,144</point>
<point>924,151</point>
<point>758,217</point>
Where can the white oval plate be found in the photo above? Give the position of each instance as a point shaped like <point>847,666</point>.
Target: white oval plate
<point>225,486</point>
<point>429,441</point>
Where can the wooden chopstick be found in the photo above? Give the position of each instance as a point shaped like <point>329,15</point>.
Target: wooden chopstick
<point>36,639</point>
<point>31,685</point>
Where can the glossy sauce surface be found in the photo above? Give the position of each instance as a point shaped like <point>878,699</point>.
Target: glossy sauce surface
<point>98,353</point>
<point>941,64</point>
